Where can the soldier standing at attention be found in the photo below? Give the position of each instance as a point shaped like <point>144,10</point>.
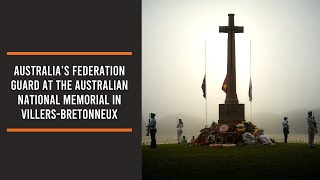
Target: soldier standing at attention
<point>179,131</point>
<point>285,125</point>
<point>311,129</point>
<point>153,129</point>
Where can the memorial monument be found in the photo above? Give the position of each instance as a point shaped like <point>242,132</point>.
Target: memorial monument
<point>232,129</point>
<point>231,111</point>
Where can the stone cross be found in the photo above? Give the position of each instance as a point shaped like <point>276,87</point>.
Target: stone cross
<point>231,67</point>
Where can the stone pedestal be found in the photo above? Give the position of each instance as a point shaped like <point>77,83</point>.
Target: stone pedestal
<point>231,113</point>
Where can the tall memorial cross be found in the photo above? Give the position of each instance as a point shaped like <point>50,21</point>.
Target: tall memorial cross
<point>231,112</point>
<point>231,67</point>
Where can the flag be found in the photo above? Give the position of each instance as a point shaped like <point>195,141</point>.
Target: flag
<point>224,85</point>
<point>204,86</point>
<point>250,90</point>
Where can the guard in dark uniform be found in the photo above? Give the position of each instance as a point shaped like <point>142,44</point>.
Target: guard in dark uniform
<point>153,130</point>
<point>311,129</point>
<point>285,125</point>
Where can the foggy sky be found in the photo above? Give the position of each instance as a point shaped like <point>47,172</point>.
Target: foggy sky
<point>285,55</point>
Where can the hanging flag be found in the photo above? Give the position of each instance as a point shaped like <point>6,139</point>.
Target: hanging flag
<point>224,85</point>
<point>204,86</point>
<point>250,90</point>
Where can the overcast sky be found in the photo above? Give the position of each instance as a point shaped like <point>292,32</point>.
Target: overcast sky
<point>285,46</point>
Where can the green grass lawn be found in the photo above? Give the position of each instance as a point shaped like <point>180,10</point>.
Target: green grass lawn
<point>279,161</point>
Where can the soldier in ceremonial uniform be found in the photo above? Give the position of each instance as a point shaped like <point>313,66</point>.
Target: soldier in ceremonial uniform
<point>153,129</point>
<point>179,131</point>
<point>285,125</point>
<point>311,129</point>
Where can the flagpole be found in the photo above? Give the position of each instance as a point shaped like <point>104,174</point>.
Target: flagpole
<point>205,72</point>
<point>251,84</point>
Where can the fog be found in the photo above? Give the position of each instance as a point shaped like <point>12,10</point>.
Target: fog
<point>284,60</point>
